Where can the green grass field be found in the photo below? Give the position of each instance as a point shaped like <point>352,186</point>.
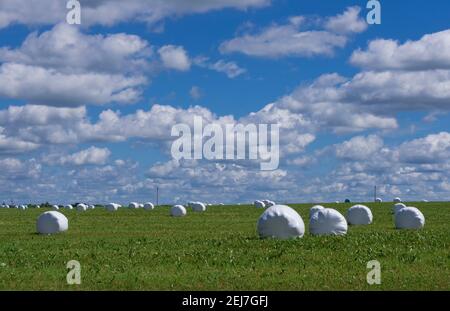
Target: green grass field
<point>219,250</point>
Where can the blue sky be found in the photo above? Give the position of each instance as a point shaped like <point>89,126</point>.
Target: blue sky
<point>86,110</point>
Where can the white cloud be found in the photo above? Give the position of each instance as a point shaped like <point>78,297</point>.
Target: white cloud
<point>92,155</point>
<point>43,86</point>
<point>16,169</point>
<point>433,148</point>
<point>231,69</point>
<point>359,147</point>
<point>430,52</point>
<point>110,12</point>
<point>66,49</point>
<point>175,57</point>
<point>11,145</point>
<point>347,22</point>
<point>290,40</point>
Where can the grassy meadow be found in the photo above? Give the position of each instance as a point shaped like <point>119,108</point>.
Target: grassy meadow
<point>220,250</point>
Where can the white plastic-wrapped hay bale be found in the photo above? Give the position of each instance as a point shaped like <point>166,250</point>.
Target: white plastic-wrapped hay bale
<point>328,221</point>
<point>38,206</point>
<point>397,200</point>
<point>268,203</point>
<point>337,202</point>
<point>379,200</point>
<point>23,207</point>
<point>315,209</point>
<point>91,206</point>
<point>259,204</point>
<point>280,222</point>
<point>52,222</point>
<point>198,207</point>
<point>82,207</point>
<point>359,215</point>
<point>409,218</point>
<point>134,205</point>
<point>397,207</point>
<point>149,206</point>
<point>112,207</point>
<point>178,211</point>
<point>55,207</point>
<point>68,206</point>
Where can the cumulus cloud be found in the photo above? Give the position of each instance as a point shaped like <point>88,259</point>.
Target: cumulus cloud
<point>110,12</point>
<point>291,40</point>
<point>348,22</point>
<point>43,86</point>
<point>433,148</point>
<point>16,169</point>
<point>359,147</point>
<point>12,145</point>
<point>66,49</point>
<point>324,104</point>
<point>92,155</point>
<point>430,52</point>
<point>370,99</point>
<point>175,57</point>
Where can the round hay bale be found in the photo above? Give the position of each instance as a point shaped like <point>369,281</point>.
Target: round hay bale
<point>315,209</point>
<point>55,207</point>
<point>112,207</point>
<point>397,207</point>
<point>149,206</point>
<point>68,206</point>
<point>23,207</point>
<point>91,206</point>
<point>397,200</point>
<point>52,222</point>
<point>379,200</point>
<point>269,203</point>
<point>409,218</point>
<point>328,221</point>
<point>359,215</point>
<point>280,222</point>
<point>178,211</point>
<point>198,207</point>
<point>82,207</point>
<point>134,205</point>
<point>259,204</point>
